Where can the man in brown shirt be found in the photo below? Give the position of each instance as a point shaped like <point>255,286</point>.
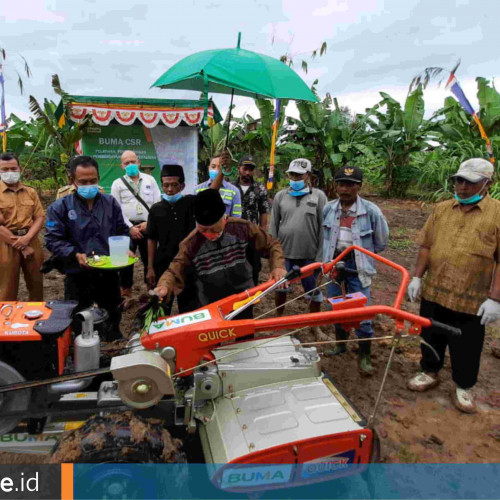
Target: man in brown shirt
<point>460,251</point>
<point>216,253</point>
<point>21,219</point>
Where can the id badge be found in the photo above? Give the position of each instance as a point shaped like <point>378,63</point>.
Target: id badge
<point>139,208</point>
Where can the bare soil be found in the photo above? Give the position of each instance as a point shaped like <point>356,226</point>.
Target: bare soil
<point>423,427</point>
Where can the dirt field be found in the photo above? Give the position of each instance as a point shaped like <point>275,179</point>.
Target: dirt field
<point>412,427</point>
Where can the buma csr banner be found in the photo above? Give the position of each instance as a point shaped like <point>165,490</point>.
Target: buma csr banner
<point>154,147</point>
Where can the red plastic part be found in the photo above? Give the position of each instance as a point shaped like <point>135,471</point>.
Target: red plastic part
<point>194,341</point>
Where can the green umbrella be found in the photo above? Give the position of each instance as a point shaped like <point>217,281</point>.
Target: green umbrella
<point>236,71</point>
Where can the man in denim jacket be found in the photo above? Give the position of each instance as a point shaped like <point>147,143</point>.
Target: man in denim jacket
<point>352,220</point>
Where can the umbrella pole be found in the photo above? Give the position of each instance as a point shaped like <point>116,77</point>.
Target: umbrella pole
<point>229,120</point>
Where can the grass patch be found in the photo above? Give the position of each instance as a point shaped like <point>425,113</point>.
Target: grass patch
<point>406,456</point>
<point>398,239</point>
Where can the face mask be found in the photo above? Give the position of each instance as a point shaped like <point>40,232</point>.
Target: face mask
<point>297,185</point>
<point>213,174</point>
<point>172,198</point>
<point>88,192</point>
<point>132,170</point>
<point>10,177</point>
<point>214,236</point>
<point>470,200</point>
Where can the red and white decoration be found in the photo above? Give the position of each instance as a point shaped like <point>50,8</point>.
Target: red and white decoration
<point>149,117</point>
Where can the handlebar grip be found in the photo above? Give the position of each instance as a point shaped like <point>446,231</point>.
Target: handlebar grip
<point>293,273</point>
<point>449,330</point>
<point>341,267</point>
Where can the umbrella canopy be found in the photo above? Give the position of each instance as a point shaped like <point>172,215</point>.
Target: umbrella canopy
<point>237,70</point>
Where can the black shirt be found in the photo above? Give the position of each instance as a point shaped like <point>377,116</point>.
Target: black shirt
<point>169,224</point>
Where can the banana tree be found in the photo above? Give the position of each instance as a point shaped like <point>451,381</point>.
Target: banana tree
<point>329,134</point>
<point>398,132</point>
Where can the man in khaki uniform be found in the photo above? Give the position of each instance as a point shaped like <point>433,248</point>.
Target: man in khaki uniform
<point>21,219</point>
<point>460,258</point>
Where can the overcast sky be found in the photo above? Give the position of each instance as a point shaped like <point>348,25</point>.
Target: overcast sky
<point>120,47</point>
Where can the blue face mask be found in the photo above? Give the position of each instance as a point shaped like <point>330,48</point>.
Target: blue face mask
<point>470,200</point>
<point>297,185</point>
<point>132,170</point>
<point>88,192</point>
<point>172,198</point>
<point>213,174</point>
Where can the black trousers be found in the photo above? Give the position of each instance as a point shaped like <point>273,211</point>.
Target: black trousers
<point>127,274</point>
<point>465,350</point>
<point>254,260</point>
<point>100,287</point>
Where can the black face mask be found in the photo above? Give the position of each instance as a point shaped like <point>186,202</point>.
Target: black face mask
<point>246,178</point>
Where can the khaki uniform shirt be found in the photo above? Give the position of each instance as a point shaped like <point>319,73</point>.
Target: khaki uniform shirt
<point>464,250</point>
<point>66,190</point>
<point>19,207</point>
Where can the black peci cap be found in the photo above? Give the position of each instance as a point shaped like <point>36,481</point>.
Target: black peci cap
<point>209,207</point>
<point>173,170</point>
<point>352,174</point>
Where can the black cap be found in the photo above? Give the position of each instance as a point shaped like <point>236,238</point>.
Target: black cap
<point>209,207</point>
<point>173,170</point>
<point>247,160</point>
<point>352,174</point>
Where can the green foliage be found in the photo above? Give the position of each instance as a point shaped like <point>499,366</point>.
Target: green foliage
<point>398,149</point>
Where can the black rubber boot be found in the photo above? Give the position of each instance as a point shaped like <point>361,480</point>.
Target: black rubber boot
<point>365,358</point>
<point>339,348</point>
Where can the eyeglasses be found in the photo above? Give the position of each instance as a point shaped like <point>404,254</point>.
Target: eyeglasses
<point>460,180</point>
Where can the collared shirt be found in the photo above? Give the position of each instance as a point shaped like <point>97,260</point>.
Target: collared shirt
<point>297,222</point>
<point>19,206</point>
<point>369,230</point>
<point>133,210</point>
<point>464,249</point>
<point>254,201</point>
<point>72,228</point>
<point>230,196</point>
<point>168,224</point>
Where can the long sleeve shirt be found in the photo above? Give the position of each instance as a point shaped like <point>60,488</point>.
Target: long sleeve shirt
<point>72,228</point>
<point>369,230</point>
<point>230,196</point>
<point>220,267</point>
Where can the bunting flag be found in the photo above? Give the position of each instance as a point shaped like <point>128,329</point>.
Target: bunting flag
<point>59,115</point>
<point>3,119</point>
<point>453,85</point>
<point>270,180</point>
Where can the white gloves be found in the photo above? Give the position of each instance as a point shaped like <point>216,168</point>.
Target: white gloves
<point>414,288</point>
<point>489,310</point>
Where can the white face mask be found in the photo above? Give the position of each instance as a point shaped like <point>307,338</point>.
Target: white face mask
<point>10,177</point>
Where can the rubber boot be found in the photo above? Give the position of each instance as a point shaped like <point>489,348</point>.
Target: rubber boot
<point>339,348</point>
<point>365,358</point>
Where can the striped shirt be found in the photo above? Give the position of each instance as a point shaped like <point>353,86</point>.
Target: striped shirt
<point>230,196</point>
<point>464,249</point>
<point>220,267</point>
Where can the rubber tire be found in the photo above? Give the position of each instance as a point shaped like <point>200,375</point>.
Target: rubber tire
<point>108,439</point>
<point>12,401</point>
<point>99,441</point>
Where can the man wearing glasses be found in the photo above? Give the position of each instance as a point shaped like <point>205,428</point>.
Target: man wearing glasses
<point>459,255</point>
